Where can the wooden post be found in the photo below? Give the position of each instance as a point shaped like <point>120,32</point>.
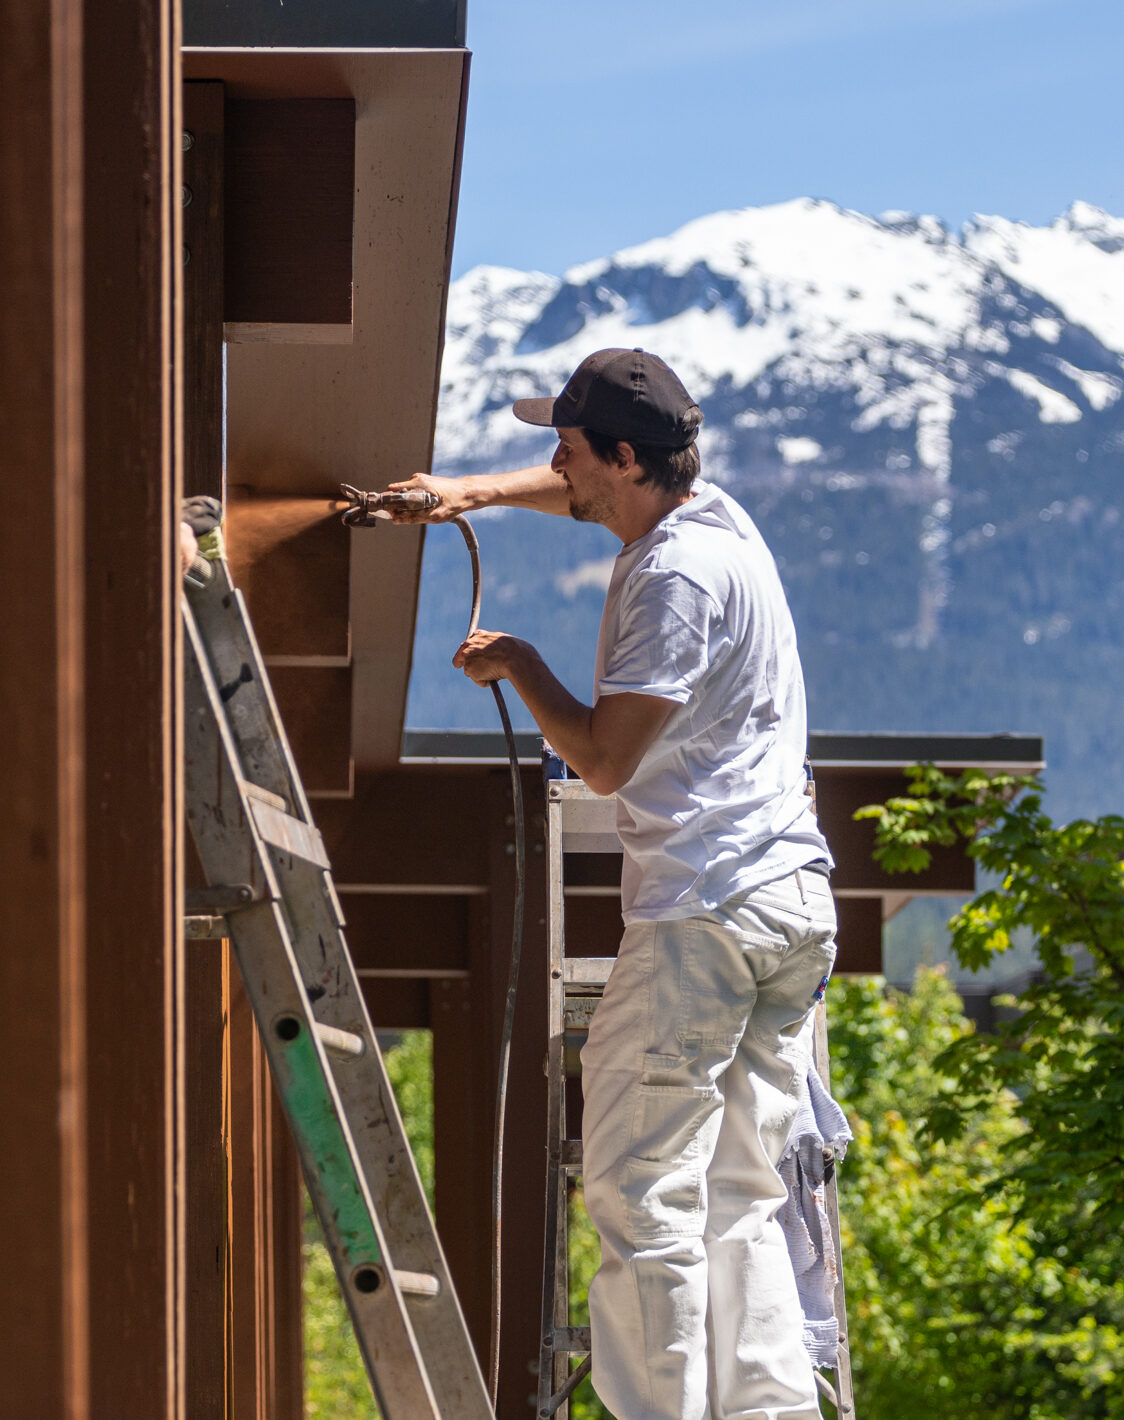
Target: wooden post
<point>44,1293</point>
<point>206,1162</point>
<point>133,836</point>
<point>467,1023</point>
<point>203,351</point>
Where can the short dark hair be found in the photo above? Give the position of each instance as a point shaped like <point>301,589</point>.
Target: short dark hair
<point>672,470</point>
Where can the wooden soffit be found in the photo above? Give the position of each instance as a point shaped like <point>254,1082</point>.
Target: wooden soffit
<point>311,406</point>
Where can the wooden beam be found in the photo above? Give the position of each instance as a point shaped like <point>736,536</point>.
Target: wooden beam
<point>417,825</point>
<point>203,355</point>
<point>207,968</point>
<point>247,1241</point>
<point>290,184</point>
<point>403,936</point>
<point>303,418</point>
<point>206,1171</point>
<point>398,1004</point>
<point>463,1113</point>
<point>859,937</point>
<point>44,1282</point>
<point>315,707</point>
<point>289,558</point>
<point>132,244</point>
<point>264,1357</point>
<point>284,1361</point>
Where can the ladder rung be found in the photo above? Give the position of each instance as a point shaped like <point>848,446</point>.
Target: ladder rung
<point>418,1284</point>
<point>342,1042</point>
<point>586,971</point>
<point>205,928</point>
<point>265,796</point>
<point>574,1340</point>
<point>570,1155</point>
<point>579,1010</point>
<point>589,824</point>
<point>291,835</point>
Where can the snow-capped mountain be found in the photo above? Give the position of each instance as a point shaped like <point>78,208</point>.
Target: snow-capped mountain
<point>927,426</point>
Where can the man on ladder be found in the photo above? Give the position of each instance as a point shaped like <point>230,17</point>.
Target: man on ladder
<point>701,1044</point>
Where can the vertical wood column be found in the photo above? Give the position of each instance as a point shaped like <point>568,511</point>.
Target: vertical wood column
<point>203,349</point>
<point>207,964</point>
<point>131,197</point>
<point>524,1195</point>
<point>463,1099</point>
<point>244,1342</point>
<point>284,1368</point>
<point>264,1357</point>
<point>44,1297</point>
<point>467,1024</point>
<point>206,1179</point>
<point>246,1239</point>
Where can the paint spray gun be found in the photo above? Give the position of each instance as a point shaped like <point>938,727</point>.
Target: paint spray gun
<point>365,508</point>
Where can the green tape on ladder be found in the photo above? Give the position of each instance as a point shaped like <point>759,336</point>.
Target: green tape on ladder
<point>300,1080</point>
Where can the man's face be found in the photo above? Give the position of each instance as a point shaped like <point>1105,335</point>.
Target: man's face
<point>590,483</point>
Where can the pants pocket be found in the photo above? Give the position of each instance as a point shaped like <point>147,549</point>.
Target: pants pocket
<point>661,1179</point>
<point>661,1202</point>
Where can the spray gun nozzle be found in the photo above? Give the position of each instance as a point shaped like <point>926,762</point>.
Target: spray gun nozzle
<point>366,507</point>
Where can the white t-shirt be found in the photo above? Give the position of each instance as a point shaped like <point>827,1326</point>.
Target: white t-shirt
<point>695,613</point>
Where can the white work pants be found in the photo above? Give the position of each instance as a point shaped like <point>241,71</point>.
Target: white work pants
<point>689,1076</point>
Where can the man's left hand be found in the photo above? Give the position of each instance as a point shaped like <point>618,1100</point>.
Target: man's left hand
<point>490,655</point>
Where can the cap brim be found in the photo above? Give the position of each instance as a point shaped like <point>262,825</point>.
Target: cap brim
<point>534,411</point>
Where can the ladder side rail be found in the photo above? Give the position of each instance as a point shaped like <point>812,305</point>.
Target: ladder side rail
<point>385,1157</point>
<point>555,1271</point>
<point>296,1057</point>
<point>235,659</point>
<point>844,1385</point>
<point>578,821</point>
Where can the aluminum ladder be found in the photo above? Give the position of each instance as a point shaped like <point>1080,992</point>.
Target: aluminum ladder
<point>579,821</point>
<point>270,885</point>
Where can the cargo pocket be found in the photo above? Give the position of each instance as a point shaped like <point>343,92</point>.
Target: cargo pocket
<point>661,1179</point>
<point>661,1202</point>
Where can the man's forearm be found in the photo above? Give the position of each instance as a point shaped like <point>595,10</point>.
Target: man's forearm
<point>602,743</point>
<point>565,721</point>
<point>539,488</point>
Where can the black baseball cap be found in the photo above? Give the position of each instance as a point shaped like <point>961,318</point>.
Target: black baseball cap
<point>623,394</point>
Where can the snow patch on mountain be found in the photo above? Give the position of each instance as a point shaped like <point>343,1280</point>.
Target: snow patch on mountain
<point>1099,389</point>
<point>831,351</point>
<point>1075,263</point>
<point>1053,406</point>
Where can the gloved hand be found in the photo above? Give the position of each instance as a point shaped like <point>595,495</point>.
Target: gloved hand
<point>203,515</point>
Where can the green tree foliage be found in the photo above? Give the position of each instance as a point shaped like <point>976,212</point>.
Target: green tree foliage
<point>1063,1052</point>
<point>335,1379</point>
<point>956,1310</point>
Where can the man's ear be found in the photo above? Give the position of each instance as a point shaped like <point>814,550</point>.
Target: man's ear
<point>625,456</point>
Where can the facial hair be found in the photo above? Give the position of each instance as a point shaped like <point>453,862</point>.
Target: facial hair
<point>596,508</point>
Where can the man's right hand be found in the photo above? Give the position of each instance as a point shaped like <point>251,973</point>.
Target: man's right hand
<point>454,493</point>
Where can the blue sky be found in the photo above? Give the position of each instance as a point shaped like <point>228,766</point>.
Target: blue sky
<point>594,124</point>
